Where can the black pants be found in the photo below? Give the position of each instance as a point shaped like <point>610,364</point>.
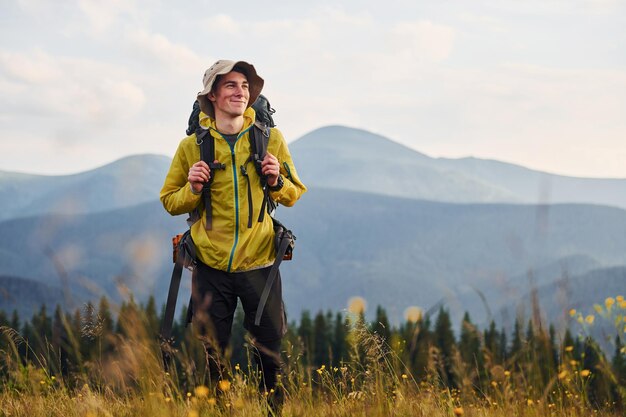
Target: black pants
<point>215,294</point>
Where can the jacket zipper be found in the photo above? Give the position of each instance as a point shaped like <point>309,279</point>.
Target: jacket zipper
<point>236,192</point>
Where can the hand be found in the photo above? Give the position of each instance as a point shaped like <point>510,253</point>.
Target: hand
<point>199,174</point>
<point>271,168</point>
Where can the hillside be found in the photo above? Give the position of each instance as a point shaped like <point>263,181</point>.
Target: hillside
<point>27,296</point>
<point>123,183</point>
<point>346,158</point>
<point>392,251</point>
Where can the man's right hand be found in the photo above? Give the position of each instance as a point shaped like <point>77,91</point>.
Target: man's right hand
<point>199,174</point>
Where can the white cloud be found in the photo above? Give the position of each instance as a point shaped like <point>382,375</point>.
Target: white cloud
<point>422,41</point>
<point>102,15</point>
<point>34,68</point>
<point>224,24</point>
<point>159,49</point>
<point>69,91</point>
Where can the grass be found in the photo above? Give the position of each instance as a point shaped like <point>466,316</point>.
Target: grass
<point>130,381</point>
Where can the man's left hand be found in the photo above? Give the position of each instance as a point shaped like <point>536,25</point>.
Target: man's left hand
<point>270,167</point>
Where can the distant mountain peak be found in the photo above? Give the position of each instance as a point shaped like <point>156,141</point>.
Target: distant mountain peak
<point>354,140</point>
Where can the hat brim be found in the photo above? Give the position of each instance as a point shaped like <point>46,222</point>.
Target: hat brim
<point>255,85</point>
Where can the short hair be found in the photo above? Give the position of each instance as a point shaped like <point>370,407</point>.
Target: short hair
<point>238,69</point>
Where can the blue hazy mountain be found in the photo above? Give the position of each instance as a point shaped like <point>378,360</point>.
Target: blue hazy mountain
<point>380,221</point>
<point>392,251</point>
<point>345,158</point>
<point>126,182</point>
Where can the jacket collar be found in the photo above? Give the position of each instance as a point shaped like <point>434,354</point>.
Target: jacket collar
<point>248,120</point>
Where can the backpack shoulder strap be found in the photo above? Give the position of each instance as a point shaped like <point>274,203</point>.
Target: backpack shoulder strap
<point>259,140</point>
<point>207,154</point>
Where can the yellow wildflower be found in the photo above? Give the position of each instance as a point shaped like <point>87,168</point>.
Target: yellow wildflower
<point>562,374</point>
<point>224,385</point>
<point>585,373</point>
<point>569,348</point>
<point>529,402</point>
<point>458,411</point>
<point>590,318</point>
<point>202,391</point>
<point>404,376</point>
<point>193,413</point>
<point>572,312</point>
<point>598,308</point>
<point>622,304</point>
<point>211,401</point>
<point>507,373</point>
<point>573,362</point>
<point>609,302</point>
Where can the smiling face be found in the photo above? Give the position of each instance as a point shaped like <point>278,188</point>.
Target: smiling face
<point>230,96</point>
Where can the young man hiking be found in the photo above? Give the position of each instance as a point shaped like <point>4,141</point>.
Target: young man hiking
<point>234,241</point>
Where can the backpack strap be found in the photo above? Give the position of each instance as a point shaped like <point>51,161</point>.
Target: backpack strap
<point>184,257</point>
<point>207,154</point>
<point>284,242</point>
<point>259,139</point>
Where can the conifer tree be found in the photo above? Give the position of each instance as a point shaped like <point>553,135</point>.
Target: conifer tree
<point>502,344</point>
<point>517,341</point>
<point>444,341</point>
<point>15,321</point>
<point>619,373</point>
<point>419,347</point>
<point>381,325</point>
<point>321,340</point>
<point>340,347</point>
<point>306,335</point>
<point>60,340</point>
<point>152,319</point>
<point>599,389</point>
<point>492,343</point>
<point>105,327</point>
<point>469,346</point>
<point>41,332</point>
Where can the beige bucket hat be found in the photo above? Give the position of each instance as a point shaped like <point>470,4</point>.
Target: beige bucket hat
<point>222,67</point>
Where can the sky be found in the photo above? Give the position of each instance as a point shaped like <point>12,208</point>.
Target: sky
<point>539,83</point>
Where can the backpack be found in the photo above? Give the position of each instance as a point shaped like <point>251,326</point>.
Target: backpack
<point>183,247</point>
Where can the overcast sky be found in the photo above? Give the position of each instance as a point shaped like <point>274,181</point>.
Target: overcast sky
<point>540,83</point>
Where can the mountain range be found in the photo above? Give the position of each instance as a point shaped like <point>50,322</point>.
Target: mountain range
<point>380,221</point>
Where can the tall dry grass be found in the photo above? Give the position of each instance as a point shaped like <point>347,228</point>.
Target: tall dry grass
<point>131,381</point>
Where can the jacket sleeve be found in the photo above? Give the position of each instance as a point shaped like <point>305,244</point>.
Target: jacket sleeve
<point>176,194</point>
<point>293,188</point>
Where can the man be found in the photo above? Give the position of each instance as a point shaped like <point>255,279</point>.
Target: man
<point>234,254</point>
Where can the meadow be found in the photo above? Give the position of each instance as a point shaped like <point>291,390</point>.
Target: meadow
<point>90,364</point>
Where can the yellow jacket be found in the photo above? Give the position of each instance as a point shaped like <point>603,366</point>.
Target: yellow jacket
<point>230,245</point>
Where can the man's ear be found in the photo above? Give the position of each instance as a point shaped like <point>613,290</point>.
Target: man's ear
<point>211,96</point>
